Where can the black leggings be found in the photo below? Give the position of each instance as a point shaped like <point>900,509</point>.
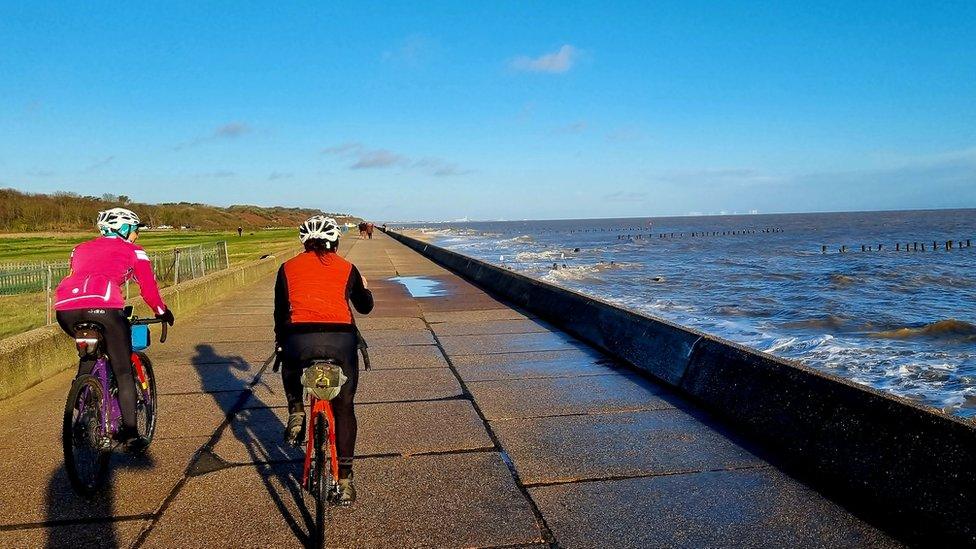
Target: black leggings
<point>298,349</point>
<point>118,346</point>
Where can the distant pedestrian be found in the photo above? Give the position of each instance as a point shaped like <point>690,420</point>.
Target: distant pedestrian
<point>240,232</point>
<point>362,229</point>
<point>369,231</point>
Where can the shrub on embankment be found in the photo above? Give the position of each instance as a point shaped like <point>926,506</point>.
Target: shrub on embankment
<point>20,211</point>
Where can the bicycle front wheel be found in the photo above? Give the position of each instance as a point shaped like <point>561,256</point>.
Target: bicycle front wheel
<point>146,403</point>
<point>322,475</point>
<point>84,436</point>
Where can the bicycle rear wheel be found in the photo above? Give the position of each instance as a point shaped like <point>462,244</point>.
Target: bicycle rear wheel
<point>146,403</point>
<point>84,436</point>
<point>322,478</point>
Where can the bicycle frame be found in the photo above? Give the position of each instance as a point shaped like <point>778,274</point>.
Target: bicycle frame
<point>316,407</point>
<point>111,409</point>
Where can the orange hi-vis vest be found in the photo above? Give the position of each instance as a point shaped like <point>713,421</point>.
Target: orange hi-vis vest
<point>318,288</point>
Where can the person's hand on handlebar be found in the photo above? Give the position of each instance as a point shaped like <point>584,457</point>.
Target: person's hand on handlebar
<point>167,317</point>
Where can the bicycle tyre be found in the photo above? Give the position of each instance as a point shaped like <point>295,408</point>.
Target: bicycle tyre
<point>322,482</point>
<point>83,414</point>
<point>147,403</point>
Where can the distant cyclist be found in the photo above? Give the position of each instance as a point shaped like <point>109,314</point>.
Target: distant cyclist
<point>92,292</point>
<point>313,320</point>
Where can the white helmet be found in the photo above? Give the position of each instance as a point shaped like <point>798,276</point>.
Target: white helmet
<point>321,228</point>
<point>118,221</point>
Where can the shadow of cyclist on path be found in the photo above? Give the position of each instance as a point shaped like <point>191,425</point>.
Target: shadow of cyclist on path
<point>63,504</point>
<point>257,431</point>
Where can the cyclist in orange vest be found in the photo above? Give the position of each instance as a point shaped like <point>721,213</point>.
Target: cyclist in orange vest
<point>313,320</point>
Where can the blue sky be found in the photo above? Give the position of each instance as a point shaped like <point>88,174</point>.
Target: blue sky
<point>443,110</point>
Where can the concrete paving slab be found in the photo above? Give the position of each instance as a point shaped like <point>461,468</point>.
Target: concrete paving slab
<point>400,428</point>
<point>562,396</point>
<point>244,506</point>
<point>33,419</point>
<point>393,358</point>
<point>89,535</point>
<point>208,353</point>
<point>477,498</point>
<point>37,488</point>
<point>207,378</point>
<point>226,334</point>
<point>192,415</point>
<point>478,504</point>
<point>567,448</point>
<point>521,326</point>
<point>469,302</point>
<point>398,338</point>
<point>249,321</point>
<point>255,436</point>
<point>404,385</point>
<point>366,323</point>
<point>746,508</point>
<point>502,313</point>
<point>501,366</point>
<point>507,343</point>
<point>374,386</point>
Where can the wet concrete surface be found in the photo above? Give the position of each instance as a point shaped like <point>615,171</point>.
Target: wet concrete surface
<point>596,456</point>
<point>534,397</point>
<point>746,508</point>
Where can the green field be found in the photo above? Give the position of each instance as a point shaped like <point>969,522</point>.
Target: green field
<point>56,247</point>
<point>20,313</point>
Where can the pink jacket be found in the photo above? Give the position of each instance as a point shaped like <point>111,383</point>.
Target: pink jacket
<point>99,269</point>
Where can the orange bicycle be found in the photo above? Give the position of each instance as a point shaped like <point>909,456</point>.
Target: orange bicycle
<point>320,475</point>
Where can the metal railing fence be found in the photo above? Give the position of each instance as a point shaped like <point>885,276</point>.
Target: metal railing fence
<point>171,267</point>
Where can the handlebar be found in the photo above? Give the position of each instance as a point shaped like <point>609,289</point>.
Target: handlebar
<point>146,321</point>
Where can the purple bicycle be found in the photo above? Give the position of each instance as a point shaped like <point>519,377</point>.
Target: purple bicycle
<point>92,414</point>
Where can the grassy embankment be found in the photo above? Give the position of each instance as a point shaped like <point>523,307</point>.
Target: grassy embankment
<point>24,312</point>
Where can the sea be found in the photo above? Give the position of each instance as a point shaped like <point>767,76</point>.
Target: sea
<point>895,310</point>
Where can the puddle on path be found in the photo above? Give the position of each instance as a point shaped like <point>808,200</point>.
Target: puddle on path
<point>420,286</point>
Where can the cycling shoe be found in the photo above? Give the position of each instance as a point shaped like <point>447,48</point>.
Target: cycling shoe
<point>295,430</point>
<point>347,491</point>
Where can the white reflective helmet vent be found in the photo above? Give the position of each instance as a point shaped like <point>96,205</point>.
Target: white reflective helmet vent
<point>116,218</point>
<point>319,227</point>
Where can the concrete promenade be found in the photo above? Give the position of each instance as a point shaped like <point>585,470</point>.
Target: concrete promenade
<point>479,426</point>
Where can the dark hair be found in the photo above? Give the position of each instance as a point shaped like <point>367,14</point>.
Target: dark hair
<point>320,246</point>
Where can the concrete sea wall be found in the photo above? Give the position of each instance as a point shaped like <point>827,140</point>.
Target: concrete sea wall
<point>31,357</point>
<point>906,467</point>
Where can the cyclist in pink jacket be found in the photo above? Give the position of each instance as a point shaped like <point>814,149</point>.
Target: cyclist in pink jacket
<point>93,293</point>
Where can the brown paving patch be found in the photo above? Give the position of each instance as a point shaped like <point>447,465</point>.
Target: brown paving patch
<point>522,326</point>
<point>503,313</point>
<point>507,343</point>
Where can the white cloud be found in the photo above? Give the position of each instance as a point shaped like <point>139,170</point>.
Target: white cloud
<point>414,50</point>
<point>230,130</point>
<point>556,62</point>
<point>576,127</point>
<point>99,164</point>
<point>364,158</point>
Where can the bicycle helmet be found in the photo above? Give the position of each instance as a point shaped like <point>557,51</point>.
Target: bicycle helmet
<point>323,379</point>
<point>321,228</point>
<point>118,221</point>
